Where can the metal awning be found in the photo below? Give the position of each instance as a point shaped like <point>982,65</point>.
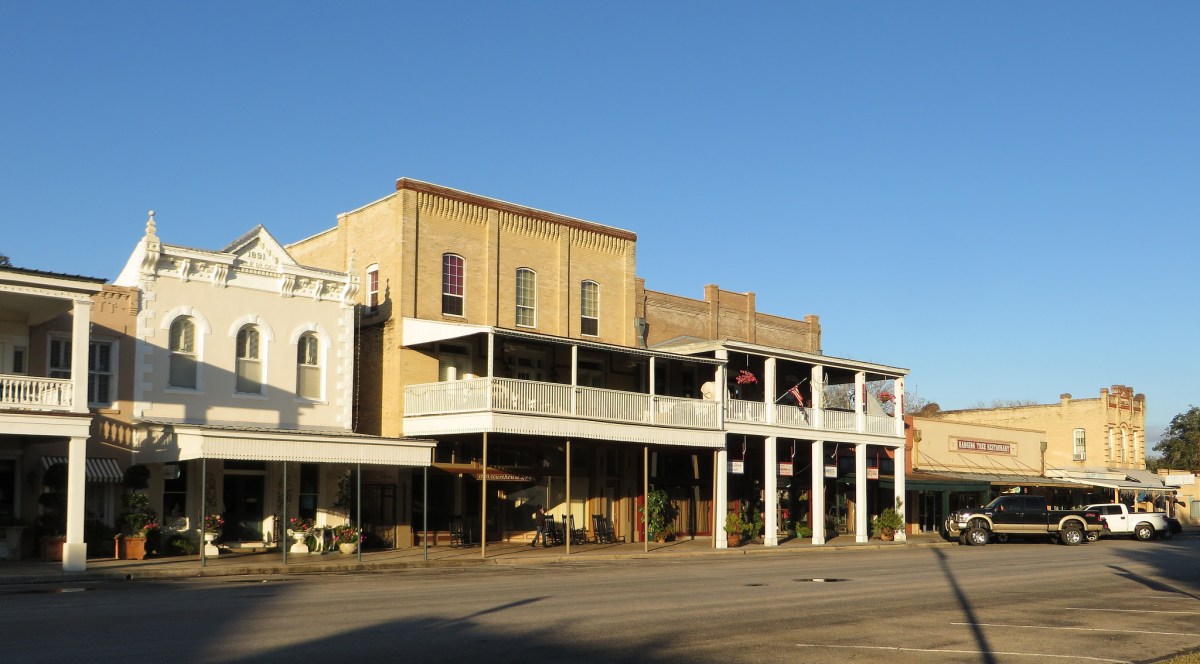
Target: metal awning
<point>919,481</point>
<point>493,474</point>
<point>418,331</point>
<point>167,442</point>
<point>98,469</point>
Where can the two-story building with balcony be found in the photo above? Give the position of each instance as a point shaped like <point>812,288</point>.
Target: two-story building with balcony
<point>243,388</point>
<point>52,366</point>
<point>522,341</point>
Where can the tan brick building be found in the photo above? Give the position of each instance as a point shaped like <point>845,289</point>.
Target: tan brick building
<point>517,337</point>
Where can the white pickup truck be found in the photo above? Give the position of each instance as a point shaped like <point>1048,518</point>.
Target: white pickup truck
<point>1142,525</point>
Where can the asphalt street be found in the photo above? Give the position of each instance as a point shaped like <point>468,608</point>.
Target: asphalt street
<point>1111,601</point>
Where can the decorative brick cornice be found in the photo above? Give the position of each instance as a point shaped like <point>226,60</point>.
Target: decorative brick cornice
<point>493,204</point>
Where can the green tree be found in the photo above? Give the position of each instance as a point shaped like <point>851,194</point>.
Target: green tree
<point>1179,446</point>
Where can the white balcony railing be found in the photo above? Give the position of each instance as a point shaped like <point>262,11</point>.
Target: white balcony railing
<point>36,393</point>
<point>537,398</point>
<point>753,412</point>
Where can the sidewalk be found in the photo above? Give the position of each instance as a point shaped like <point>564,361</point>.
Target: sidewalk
<point>498,553</point>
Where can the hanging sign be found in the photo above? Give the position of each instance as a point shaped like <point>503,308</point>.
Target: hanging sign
<point>737,467</point>
<point>830,471</point>
<point>872,473</point>
<point>785,468</point>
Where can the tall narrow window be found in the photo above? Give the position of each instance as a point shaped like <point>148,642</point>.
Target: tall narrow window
<point>526,297</point>
<point>452,285</point>
<point>372,289</point>
<point>1124,445</point>
<point>183,353</point>
<point>308,367</point>
<point>60,358</point>
<point>310,490</point>
<point>589,308</point>
<point>1080,445</point>
<point>19,354</point>
<point>100,373</point>
<point>249,361</point>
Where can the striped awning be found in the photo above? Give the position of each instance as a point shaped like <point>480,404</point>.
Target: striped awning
<point>98,469</point>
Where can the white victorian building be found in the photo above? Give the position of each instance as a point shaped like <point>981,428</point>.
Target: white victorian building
<point>244,392</point>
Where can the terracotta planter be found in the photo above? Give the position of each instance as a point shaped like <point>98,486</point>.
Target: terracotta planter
<point>130,548</point>
<point>52,549</point>
<point>887,534</point>
<point>734,539</point>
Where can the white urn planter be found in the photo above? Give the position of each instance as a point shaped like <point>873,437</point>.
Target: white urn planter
<point>299,545</point>
<point>210,549</point>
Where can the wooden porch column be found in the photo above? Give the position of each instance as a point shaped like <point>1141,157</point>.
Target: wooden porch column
<point>567,524</point>
<point>483,503</point>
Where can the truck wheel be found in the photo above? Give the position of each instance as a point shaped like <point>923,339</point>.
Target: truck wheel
<point>1143,531</point>
<point>1092,535</point>
<point>977,536</point>
<point>1071,535</point>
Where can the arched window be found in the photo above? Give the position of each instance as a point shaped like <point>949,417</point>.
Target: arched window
<point>372,288</point>
<point>249,361</point>
<point>308,367</point>
<point>182,342</point>
<point>526,297</point>
<point>453,284</point>
<point>589,308</point>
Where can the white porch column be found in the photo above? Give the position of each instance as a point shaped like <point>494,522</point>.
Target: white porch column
<point>770,494</point>
<point>862,532</point>
<point>898,407</point>
<point>81,326</point>
<point>75,549</point>
<point>817,499</point>
<point>574,379</point>
<point>721,497</point>
<point>722,397</point>
<point>860,403</point>
<point>817,381</point>
<point>900,472</point>
<point>491,367</point>
<point>769,388</point>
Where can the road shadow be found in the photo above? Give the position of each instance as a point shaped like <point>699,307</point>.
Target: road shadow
<point>968,610</point>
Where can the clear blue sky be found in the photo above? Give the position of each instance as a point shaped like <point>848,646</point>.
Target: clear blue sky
<point>1001,197</point>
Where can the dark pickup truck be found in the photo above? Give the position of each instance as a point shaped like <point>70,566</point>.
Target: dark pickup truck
<point>1021,515</point>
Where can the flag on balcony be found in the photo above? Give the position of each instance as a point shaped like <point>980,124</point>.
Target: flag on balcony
<point>795,392</point>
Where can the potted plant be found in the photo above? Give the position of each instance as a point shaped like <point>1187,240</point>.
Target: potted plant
<point>210,532</point>
<point>298,528</point>
<point>661,514</point>
<point>886,523</point>
<point>52,522</point>
<point>734,527</point>
<point>14,528</point>
<point>347,538</point>
<point>803,531</point>
<point>139,519</point>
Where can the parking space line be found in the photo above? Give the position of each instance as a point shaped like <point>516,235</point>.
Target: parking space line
<point>1107,630</point>
<point>1183,613</point>
<point>950,651</point>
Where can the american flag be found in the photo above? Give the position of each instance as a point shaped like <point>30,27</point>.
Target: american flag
<point>795,392</point>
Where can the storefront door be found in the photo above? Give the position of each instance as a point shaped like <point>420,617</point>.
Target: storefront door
<point>244,508</point>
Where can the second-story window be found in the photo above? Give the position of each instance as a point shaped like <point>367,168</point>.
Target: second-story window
<point>100,373</point>
<point>372,289</point>
<point>589,308</point>
<point>249,361</point>
<point>526,297</point>
<point>452,285</point>
<point>308,367</point>
<point>60,358</point>
<point>1080,445</point>
<point>183,353</point>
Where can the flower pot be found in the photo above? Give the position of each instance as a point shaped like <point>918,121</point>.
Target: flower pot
<point>210,549</point>
<point>733,539</point>
<point>12,535</point>
<point>52,549</point>
<point>130,547</point>
<point>348,547</point>
<point>299,545</point>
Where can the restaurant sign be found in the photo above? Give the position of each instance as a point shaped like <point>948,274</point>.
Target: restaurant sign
<point>981,446</point>
<point>737,467</point>
<point>830,471</point>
